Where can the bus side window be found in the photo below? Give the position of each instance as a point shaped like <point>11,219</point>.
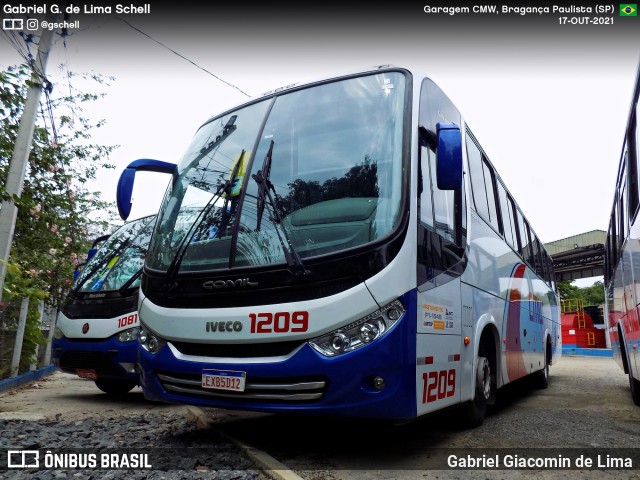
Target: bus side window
<point>632,164</point>
<point>523,238</point>
<point>489,179</point>
<point>442,213</point>
<point>506,213</point>
<point>476,171</point>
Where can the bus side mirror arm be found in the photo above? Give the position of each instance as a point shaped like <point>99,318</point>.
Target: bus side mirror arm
<point>449,156</point>
<point>127,177</point>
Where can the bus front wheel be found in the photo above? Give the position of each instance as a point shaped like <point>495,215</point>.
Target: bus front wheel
<point>476,409</point>
<point>115,387</point>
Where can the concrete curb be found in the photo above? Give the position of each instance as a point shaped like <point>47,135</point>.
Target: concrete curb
<point>572,351</point>
<point>269,465</point>
<point>24,378</point>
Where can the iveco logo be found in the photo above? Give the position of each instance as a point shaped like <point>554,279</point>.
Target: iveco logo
<point>222,284</point>
<point>224,326</point>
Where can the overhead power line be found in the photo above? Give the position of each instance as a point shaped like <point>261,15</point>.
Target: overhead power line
<point>184,58</point>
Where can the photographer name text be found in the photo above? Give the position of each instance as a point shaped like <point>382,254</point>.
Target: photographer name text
<point>551,462</point>
<point>87,9</point>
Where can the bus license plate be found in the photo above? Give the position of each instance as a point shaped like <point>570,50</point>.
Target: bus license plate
<point>86,373</point>
<point>224,380</point>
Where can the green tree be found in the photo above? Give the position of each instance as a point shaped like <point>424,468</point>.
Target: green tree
<point>592,295</point>
<point>57,214</point>
<point>567,290</point>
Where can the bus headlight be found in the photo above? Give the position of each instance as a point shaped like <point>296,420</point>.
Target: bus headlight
<point>128,335</point>
<point>150,341</point>
<point>57,333</point>
<point>359,333</point>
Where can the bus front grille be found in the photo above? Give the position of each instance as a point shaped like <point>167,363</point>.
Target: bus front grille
<point>261,390</point>
<point>250,350</point>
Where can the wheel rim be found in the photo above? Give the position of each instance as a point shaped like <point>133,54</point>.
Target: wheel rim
<point>484,378</point>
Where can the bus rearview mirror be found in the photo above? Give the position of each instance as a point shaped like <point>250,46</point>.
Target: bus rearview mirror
<point>449,156</point>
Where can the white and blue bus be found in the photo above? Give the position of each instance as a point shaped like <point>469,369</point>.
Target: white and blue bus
<point>97,328</point>
<point>622,254</point>
<point>350,251</point>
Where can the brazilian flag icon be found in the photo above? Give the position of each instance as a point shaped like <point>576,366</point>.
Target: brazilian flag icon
<point>629,10</point>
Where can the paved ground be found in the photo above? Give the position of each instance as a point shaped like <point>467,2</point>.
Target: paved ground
<point>67,397</point>
<point>586,410</point>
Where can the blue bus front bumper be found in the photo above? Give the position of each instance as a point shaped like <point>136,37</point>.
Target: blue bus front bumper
<point>108,358</point>
<point>301,382</point>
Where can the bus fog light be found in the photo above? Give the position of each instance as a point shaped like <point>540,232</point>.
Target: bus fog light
<point>379,383</point>
<point>368,332</point>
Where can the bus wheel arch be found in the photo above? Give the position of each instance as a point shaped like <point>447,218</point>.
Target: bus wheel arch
<point>634,385</point>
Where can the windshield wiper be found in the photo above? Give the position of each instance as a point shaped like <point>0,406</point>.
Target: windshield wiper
<point>223,188</point>
<point>129,282</point>
<point>265,187</point>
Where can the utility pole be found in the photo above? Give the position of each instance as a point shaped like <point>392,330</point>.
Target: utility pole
<point>20,157</point>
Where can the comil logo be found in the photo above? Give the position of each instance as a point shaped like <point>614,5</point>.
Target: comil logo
<point>23,459</point>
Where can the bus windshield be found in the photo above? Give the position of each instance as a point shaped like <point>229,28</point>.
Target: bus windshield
<point>119,260</point>
<point>308,173</point>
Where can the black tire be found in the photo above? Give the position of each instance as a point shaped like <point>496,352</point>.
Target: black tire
<point>541,377</point>
<point>634,385</point>
<point>114,387</point>
<point>476,409</point>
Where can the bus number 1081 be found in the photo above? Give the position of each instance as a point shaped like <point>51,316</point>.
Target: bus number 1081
<point>128,320</point>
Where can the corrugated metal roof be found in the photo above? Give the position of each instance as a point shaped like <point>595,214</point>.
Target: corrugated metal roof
<point>586,239</point>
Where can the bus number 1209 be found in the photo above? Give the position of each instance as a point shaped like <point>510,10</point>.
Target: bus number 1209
<point>279,322</point>
<point>438,385</point>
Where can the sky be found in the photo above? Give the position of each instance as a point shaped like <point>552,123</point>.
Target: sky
<point>547,99</point>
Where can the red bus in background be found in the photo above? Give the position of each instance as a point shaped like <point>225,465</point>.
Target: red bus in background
<point>622,256</point>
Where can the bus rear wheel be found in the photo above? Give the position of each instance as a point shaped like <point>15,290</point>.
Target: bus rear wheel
<point>115,387</point>
<point>476,409</point>
<point>541,379</point>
